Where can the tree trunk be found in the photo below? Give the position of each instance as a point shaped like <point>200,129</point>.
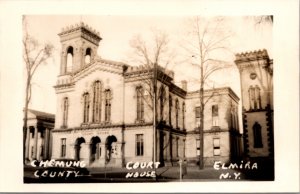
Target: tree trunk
<point>25,118</point>
<point>201,157</point>
<point>201,127</point>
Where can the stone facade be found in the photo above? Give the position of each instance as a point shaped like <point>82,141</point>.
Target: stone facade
<point>221,126</point>
<point>256,74</point>
<point>38,141</point>
<point>105,111</point>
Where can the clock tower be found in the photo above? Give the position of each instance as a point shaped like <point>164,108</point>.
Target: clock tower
<point>256,75</point>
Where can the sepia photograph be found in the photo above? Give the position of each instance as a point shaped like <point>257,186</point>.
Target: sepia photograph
<point>153,98</point>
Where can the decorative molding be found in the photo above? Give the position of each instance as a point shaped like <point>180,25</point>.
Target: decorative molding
<point>80,30</point>
<point>218,91</point>
<point>251,56</point>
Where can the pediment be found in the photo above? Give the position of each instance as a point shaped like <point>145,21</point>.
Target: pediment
<point>100,64</point>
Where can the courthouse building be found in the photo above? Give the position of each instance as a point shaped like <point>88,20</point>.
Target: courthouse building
<point>105,111</point>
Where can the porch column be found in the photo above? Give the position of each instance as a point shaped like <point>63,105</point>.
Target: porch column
<point>35,142</point>
<point>119,154</point>
<point>46,144</point>
<point>85,152</point>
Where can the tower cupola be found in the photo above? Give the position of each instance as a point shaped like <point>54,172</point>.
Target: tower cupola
<point>79,47</point>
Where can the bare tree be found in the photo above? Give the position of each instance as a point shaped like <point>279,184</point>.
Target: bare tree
<point>206,43</point>
<point>259,20</point>
<point>34,55</point>
<point>155,57</point>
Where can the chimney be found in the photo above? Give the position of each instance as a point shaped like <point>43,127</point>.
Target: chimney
<point>184,85</point>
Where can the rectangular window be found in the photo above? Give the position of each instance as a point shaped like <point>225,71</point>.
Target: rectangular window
<point>139,144</point>
<point>197,111</point>
<point>198,147</point>
<point>140,104</point>
<point>177,147</point>
<point>65,111</point>
<point>63,147</point>
<point>215,112</point>
<point>217,149</point>
<point>215,115</point>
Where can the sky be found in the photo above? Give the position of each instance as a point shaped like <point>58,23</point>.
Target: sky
<point>117,31</point>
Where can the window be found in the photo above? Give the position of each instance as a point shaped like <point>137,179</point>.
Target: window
<point>215,115</point>
<point>198,147</point>
<point>177,112</point>
<point>216,143</point>
<point>257,97</point>
<point>32,131</point>
<point>86,107</point>
<point>177,147</point>
<point>140,103</point>
<point>139,144</point>
<point>97,101</point>
<point>162,99</point>
<point>87,58</point>
<point>254,97</point>
<point>170,109</point>
<point>183,115</point>
<point>63,147</point>
<point>257,135</point>
<point>65,111</point>
<point>69,60</point>
<point>107,105</point>
<point>197,116</point>
<point>197,112</point>
<point>234,117</point>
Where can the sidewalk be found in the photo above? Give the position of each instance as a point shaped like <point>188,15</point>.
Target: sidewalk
<point>171,174</point>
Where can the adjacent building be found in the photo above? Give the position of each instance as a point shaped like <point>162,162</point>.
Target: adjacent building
<point>39,135</point>
<point>256,75</point>
<point>105,111</point>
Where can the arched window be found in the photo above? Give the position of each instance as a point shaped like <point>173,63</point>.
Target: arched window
<point>257,135</point>
<point>65,111</point>
<point>97,101</point>
<point>251,97</point>
<point>170,109</point>
<point>254,97</point>
<point>107,105</point>
<point>70,55</point>
<point>161,101</point>
<point>257,97</point>
<point>140,103</point>
<point>87,58</point>
<point>86,107</point>
<point>177,112</point>
<point>183,115</point>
